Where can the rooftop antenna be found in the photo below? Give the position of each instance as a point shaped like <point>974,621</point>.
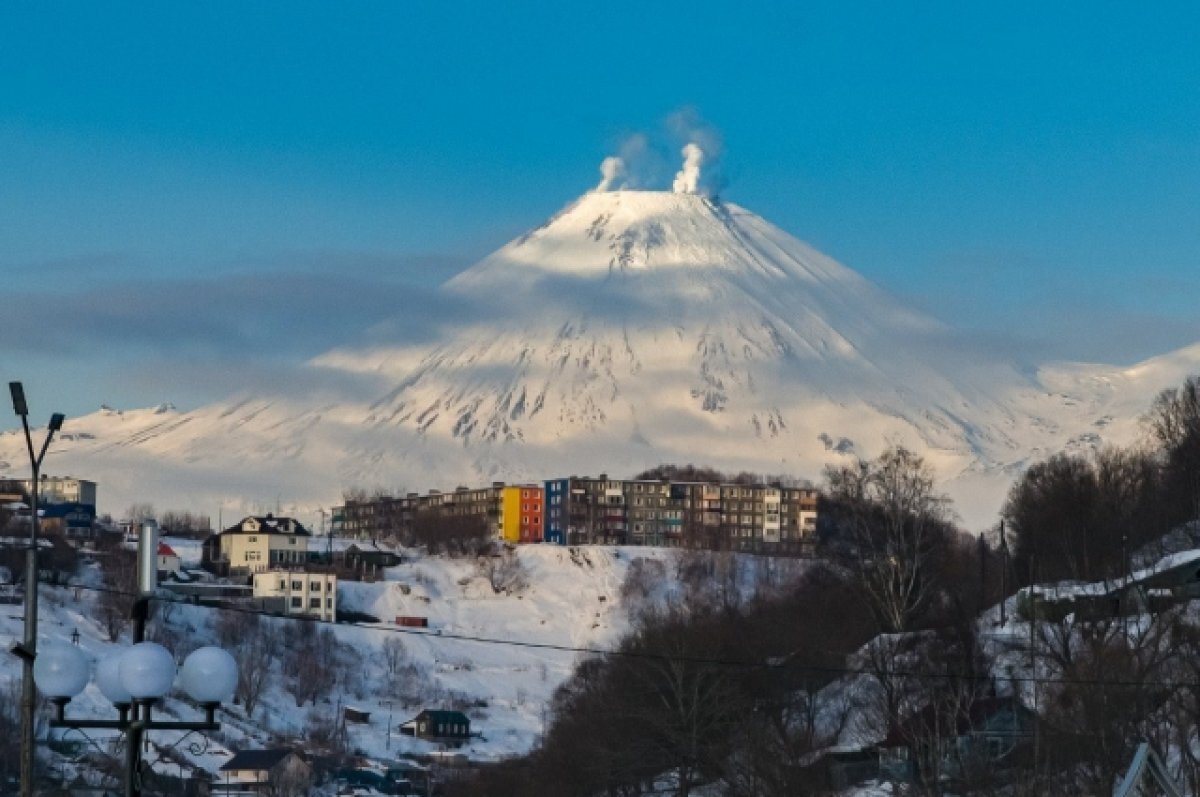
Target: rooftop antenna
<point>328,539</point>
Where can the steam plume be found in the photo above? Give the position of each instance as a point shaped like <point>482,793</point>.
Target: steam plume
<point>687,179</point>
<point>612,169</point>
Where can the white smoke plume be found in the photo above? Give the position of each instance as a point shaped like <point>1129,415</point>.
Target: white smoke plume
<point>687,179</point>
<point>612,169</point>
<point>630,167</point>
<point>703,147</point>
<point>643,160</point>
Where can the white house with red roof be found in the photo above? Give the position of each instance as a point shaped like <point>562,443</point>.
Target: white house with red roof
<point>168,560</point>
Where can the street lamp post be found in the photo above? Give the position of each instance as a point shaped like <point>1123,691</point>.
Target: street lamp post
<point>388,703</point>
<point>134,680</point>
<point>27,650</point>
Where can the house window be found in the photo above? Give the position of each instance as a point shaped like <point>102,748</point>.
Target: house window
<point>252,539</point>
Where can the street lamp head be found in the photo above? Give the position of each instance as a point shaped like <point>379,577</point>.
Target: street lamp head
<point>18,398</point>
<point>108,678</point>
<point>56,421</point>
<point>209,675</point>
<point>147,671</point>
<point>61,671</point>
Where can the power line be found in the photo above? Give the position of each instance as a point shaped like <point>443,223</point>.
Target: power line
<point>774,663</point>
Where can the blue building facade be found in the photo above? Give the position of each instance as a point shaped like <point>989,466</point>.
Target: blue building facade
<point>556,520</point>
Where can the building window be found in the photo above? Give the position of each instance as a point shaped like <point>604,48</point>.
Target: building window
<point>314,603</point>
<point>297,603</point>
<point>329,603</point>
<point>297,585</point>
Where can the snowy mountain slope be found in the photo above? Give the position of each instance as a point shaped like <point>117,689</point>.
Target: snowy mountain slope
<point>632,328</point>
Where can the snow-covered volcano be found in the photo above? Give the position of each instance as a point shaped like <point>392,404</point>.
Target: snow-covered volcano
<point>633,328</point>
<point>650,325</point>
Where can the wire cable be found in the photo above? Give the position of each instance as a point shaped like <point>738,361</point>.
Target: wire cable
<point>772,663</point>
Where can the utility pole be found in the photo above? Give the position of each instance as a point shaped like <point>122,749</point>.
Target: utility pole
<point>983,582</point>
<point>1032,612</point>
<point>27,650</point>
<point>1003,574</point>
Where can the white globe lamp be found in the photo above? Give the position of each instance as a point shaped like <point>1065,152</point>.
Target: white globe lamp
<point>147,671</point>
<point>209,675</point>
<point>61,671</point>
<point>108,678</point>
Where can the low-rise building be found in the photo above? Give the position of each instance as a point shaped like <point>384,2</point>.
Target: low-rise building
<point>168,561</point>
<point>367,556</point>
<point>51,490</point>
<point>447,727</point>
<point>257,544</point>
<point>276,771</point>
<point>297,592</point>
<point>66,505</point>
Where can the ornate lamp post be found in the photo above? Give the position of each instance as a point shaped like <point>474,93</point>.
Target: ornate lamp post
<point>134,680</point>
<point>27,650</point>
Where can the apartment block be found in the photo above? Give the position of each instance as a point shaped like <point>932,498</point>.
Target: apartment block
<point>522,513</point>
<point>749,517</point>
<point>586,510</point>
<point>51,490</point>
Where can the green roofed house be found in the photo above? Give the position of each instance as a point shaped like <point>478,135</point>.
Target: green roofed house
<point>448,727</point>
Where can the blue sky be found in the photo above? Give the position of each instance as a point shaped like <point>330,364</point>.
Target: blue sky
<point>192,196</point>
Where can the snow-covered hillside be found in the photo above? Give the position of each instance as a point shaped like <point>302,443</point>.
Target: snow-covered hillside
<point>633,328</point>
<point>572,599</point>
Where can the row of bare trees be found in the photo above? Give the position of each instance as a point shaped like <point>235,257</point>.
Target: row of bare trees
<point>1083,516</point>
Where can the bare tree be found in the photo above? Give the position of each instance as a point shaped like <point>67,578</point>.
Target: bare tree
<point>119,573</point>
<point>311,661</point>
<point>893,524</point>
<point>138,512</point>
<point>1174,422</point>
<point>503,571</point>
<point>456,536</point>
<point>255,644</point>
<point>186,524</point>
<point>394,654</point>
<point>1081,516</point>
